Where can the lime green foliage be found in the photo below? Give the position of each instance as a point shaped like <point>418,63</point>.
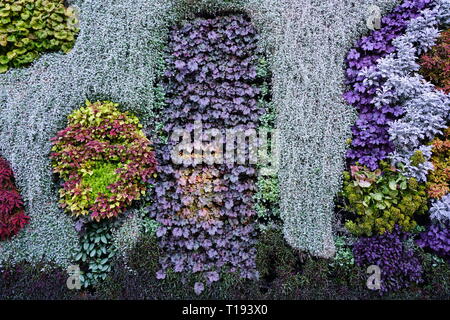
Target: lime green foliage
<point>99,178</point>
<point>94,114</point>
<point>262,68</point>
<point>95,253</point>
<point>267,197</point>
<point>382,199</point>
<point>31,27</point>
<point>268,119</point>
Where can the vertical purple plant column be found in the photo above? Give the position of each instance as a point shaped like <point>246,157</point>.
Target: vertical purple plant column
<point>206,209</point>
<point>370,142</point>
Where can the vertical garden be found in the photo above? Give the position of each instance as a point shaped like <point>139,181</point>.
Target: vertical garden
<point>224,149</point>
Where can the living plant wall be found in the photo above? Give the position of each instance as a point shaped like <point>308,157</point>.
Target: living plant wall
<point>96,97</point>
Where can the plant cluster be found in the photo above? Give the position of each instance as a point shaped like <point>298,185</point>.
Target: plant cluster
<point>118,38</point>
<point>95,254</point>
<point>440,209</point>
<point>382,199</point>
<point>104,159</point>
<point>274,256</point>
<point>127,233</point>
<point>435,65</point>
<point>30,27</point>
<point>437,238</point>
<point>390,252</point>
<point>12,212</point>
<point>386,197</point>
<point>206,210</point>
<point>309,279</point>
<point>344,255</point>
<point>426,109</point>
<point>267,198</point>
<point>40,281</point>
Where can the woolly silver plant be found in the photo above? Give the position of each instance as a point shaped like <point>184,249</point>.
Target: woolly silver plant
<point>418,171</point>
<point>440,209</point>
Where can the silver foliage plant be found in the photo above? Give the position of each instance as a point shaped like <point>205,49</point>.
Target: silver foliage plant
<point>440,209</point>
<point>427,110</point>
<point>116,57</point>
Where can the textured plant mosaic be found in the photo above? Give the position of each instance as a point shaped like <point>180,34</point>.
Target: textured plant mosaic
<point>224,149</point>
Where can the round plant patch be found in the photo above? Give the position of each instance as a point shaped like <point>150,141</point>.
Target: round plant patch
<point>104,158</point>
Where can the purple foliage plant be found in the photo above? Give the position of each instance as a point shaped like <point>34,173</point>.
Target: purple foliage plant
<point>370,142</point>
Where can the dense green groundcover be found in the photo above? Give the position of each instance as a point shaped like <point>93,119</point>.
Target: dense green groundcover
<point>29,28</point>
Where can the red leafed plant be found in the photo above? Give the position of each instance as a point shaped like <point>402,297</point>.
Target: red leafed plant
<point>12,214</point>
<point>435,65</point>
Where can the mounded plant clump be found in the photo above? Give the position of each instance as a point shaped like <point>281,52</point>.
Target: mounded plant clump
<point>370,142</point>
<point>30,27</point>
<point>382,199</point>
<point>438,184</point>
<point>105,160</point>
<point>399,265</point>
<point>12,212</point>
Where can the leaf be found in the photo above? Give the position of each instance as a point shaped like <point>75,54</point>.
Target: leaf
<point>377,196</point>
<point>3,68</point>
<point>380,206</point>
<point>364,184</point>
<point>403,185</point>
<point>78,256</point>
<point>392,185</point>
